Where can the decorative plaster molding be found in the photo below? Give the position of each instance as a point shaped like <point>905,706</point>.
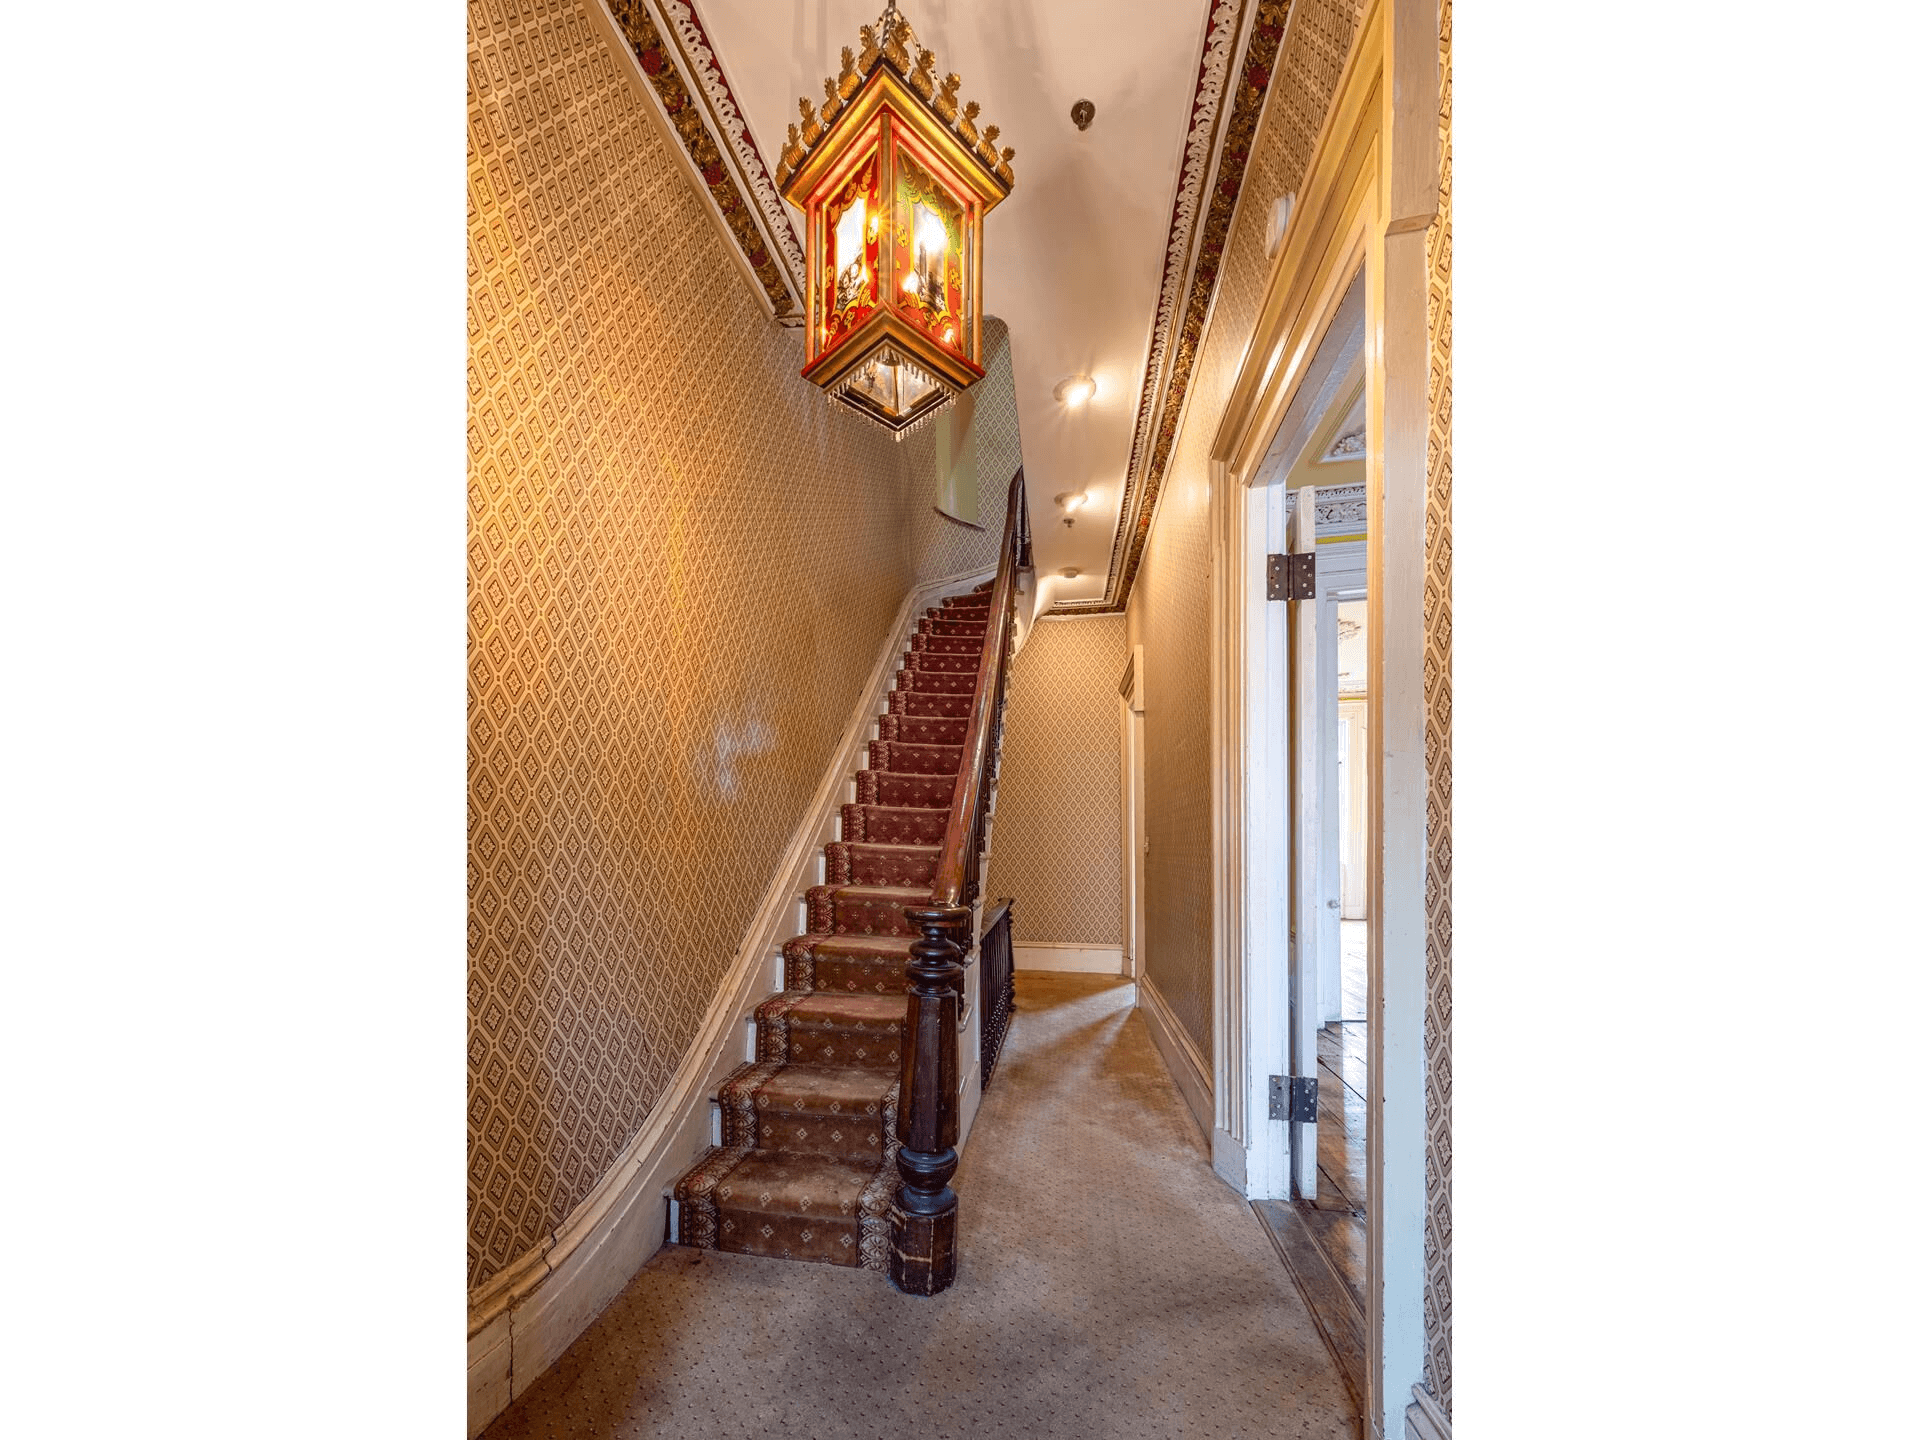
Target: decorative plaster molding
<point>1352,445</point>
<point>704,65</point>
<point>670,42</point>
<point>1191,271</point>
<point>1336,508</point>
<point>1425,1419</point>
<point>1176,268</point>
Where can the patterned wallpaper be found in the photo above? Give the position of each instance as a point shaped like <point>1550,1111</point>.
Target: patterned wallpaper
<point>682,563</point>
<point>1168,610</point>
<point>943,547</point>
<point>1438,607</point>
<point>1057,822</point>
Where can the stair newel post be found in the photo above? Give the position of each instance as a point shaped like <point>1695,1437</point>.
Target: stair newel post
<point>925,1255</point>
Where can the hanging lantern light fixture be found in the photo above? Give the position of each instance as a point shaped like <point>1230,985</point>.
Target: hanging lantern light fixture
<point>895,181</point>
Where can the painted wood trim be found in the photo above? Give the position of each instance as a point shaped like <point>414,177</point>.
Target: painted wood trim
<point>524,1318</point>
<point>1047,955</point>
<point>1339,183</point>
<point>1185,1064</point>
<point>1425,1419</point>
<point>1361,203</point>
<point>1396,681</point>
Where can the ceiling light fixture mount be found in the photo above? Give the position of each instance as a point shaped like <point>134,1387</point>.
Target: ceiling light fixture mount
<point>1070,503</point>
<point>895,182</point>
<point>1072,572</point>
<point>1081,114</point>
<point>1075,390</point>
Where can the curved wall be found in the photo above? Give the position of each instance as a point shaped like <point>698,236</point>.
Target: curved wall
<point>682,562</point>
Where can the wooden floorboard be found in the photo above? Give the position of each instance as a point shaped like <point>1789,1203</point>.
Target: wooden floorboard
<point>1341,1321</point>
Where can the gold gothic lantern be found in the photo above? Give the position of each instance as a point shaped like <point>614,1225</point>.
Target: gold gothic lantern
<point>896,182</point>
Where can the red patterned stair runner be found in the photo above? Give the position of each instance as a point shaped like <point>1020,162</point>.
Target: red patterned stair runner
<point>804,1170</point>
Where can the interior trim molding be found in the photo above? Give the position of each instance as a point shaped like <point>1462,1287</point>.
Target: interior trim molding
<point>1175,353</point>
<point>524,1318</point>
<point>1425,1419</point>
<point>663,41</point>
<point>1052,955</point>
<point>1188,1067</point>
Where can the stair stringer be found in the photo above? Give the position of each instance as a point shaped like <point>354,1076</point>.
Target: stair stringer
<point>521,1321</point>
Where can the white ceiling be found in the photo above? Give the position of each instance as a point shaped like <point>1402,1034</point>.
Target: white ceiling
<point>1074,255</point>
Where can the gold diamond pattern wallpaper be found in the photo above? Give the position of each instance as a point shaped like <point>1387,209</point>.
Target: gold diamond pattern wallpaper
<point>1057,819</point>
<point>1168,612</point>
<point>1439,685</point>
<point>942,547</point>
<point>683,562</point>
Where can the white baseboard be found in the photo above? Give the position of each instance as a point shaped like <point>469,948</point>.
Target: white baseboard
<point>1229,1158</point>
<point>1188,1067</point>
<point>521,1321</point>
<point>1046,955</point>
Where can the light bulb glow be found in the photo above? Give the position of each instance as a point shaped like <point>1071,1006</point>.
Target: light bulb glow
<point>1075,391</point>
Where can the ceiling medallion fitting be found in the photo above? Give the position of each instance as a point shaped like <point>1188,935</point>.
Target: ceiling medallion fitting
<point>1081,114</point>
<point>1070,503</point>
<point>895,182</point>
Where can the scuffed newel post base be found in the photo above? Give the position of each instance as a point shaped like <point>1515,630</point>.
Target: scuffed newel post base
<point>925,1255</point>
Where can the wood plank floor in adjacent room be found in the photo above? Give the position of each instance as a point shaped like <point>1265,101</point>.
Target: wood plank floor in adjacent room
<point>1110,1285</point>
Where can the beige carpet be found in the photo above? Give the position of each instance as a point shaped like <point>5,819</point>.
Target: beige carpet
<point>1110,1285</point>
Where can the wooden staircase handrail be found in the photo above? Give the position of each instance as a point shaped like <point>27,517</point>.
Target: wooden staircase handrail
<point>957,879</point>
<point>926,1211</point>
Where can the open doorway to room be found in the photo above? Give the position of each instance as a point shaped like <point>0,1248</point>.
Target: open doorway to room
<point>1315,670</point>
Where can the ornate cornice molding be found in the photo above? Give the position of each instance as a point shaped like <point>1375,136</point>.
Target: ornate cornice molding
<point>671,43</point>
<point>1191,271</point>
<point>1336,509</point>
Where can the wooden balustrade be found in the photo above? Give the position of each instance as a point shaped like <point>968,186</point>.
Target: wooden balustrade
<point>925,1253</point>
<point>996,984</point>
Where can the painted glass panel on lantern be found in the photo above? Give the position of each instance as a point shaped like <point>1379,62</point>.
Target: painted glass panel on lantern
<point>851,226</point>
<point>930,255</point>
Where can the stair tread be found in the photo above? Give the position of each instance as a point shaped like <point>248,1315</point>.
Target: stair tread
<point>854,891</point>
<point>816,1089</point>
<point>824,1006</point>
<point>885,845</point>
<point>796,1183</point>
<point>859,945</point>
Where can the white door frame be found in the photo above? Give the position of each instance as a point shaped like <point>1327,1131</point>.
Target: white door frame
<point>1310,960</point>
<point>1367,199</point>
<point>1133,805</point>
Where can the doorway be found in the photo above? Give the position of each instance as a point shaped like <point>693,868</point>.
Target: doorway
<point>1314,473</point>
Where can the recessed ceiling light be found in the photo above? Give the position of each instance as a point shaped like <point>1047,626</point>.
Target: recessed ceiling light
<point>1075,390</point>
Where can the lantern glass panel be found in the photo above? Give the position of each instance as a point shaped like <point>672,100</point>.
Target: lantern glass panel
<point>931,254</point>
<point>852,241</point>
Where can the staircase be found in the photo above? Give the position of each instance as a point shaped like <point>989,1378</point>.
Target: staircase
<point>810,1126</point>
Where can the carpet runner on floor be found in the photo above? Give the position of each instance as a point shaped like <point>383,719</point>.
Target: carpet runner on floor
<point>804,1170</point>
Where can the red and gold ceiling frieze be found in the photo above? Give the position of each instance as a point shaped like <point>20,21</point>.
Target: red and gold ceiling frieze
<point>671,43</point>
<point>1214,166</point>
<point>1236,72</point>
